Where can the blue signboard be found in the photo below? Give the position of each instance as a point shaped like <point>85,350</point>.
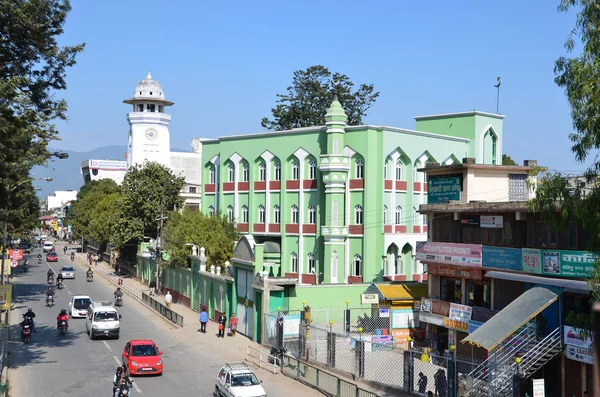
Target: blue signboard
<point>473,325</point>
<point>503,258</point>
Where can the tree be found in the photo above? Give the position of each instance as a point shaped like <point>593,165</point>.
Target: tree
<point>24,210</point>
<point>214,233</point>
<point>33,68</point>
<point>560,198</point>
<point>310,95</point>
<point>99,227</point>
<point>82,211</point>
<point>148,191</point>
<point>506,160</point>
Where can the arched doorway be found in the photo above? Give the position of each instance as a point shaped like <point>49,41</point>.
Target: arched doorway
<point>407,259</point>
<point>394,267</point>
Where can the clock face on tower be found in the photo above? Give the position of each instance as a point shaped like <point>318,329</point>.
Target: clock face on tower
<point>151,134</point>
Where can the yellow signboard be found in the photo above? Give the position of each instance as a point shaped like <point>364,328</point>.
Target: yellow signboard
<point>5,296</point>
<point>7,268</point>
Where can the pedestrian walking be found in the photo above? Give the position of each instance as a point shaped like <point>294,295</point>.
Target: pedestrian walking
<point>422,383</point>
<point>203,320</point>
<point>116,269</point>
<point>233,322</point>
<point>222,323</point>
<point>96,259</point>
<point>168,299</point>
<point>441,386</point>
<point>152,287</point>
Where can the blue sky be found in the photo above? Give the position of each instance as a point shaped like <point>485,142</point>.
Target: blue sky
<point>223,63</point>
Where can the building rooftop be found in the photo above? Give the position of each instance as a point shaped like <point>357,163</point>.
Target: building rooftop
<point>148,89</point>
<point>459,114</point>
<point>476,206</point>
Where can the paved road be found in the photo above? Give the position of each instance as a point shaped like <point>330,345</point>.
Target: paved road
<point>74,365</point>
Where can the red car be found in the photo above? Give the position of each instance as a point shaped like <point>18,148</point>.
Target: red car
<point>142,357</point>
<point>51,257</point>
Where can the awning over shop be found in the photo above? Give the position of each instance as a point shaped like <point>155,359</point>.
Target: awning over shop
<point>398,292</point>
<point>555,282</point>
<point>512,317</point>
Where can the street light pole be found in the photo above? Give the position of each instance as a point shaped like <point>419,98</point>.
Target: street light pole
<point>10,191</point>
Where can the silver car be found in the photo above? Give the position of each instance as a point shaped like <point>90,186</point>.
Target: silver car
<point>68,272</point>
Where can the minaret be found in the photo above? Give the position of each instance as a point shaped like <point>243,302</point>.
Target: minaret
<point>334,168</point>
<point>149,138</point>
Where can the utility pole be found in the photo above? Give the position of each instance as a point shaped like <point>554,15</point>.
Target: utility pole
<point>159,246</point>
<point>499,80</point>
<point>4,244</point>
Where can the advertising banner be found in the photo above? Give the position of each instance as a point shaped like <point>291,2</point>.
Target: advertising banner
<point>572,264</point>
<point>369,299</point>
<point>502,258</point>
<point>382,343</point>
<point>457,325</point>
<point>442,189</point>
<point>469,220</point>
<point>405,318</point>
<point>460,312</point>
<point>426,305</point>
<point>532,260</point>
<point>16,255</point>
<point>491,221</point>
<point>539,389</point>
<point>441,308</point>
<point>5,296</point>
<point>111,165</point>
<point>578,338</point>
<point>580,354</point>
<point>450,253</point>
<point>455,272</point>
<point>291,325</point>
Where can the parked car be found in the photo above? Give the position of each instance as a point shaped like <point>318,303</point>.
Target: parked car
<point>238,380</point>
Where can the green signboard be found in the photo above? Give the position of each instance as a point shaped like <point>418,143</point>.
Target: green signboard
<point>574,264</point>
<point>442,189</point>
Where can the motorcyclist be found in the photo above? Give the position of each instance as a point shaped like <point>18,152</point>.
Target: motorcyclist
<point>26,264</point>
<point>118,294</point>
<point>121,380</point>
<point>50,275</point>
<point>39,256</point>
<point>59,278</point>
<point>49,293</point>
<point>63,316</point>
<point>28,318</point>
<point>89,272</point>
<point>72,256</point>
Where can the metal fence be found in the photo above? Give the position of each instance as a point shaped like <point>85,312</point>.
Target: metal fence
<point>169,314</point>
<point>344,320</point>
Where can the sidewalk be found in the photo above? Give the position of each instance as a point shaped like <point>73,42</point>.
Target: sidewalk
<point>226,349</point>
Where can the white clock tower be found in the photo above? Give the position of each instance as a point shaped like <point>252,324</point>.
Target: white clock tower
<point>149,138</point>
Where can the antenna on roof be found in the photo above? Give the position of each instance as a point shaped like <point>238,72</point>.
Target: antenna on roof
<point>499,80</point>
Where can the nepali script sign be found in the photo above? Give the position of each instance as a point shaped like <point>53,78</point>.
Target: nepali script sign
<point>450,253</point>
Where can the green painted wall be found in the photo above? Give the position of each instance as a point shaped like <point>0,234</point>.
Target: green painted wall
<point>325,296</point>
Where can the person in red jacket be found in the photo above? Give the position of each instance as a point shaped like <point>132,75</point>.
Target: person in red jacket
<point>63,316</point>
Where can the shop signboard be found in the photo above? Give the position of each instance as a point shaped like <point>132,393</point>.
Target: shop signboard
<point>405,318</point>
<point>491,222</point>
<point>502,258</point>
<point>417,304</point>
<point>460,312</point>
<point>426,305</point>
<point>441,189</point>
<point>291,325</point>
<point>579,354</point>
<point>457,325</point>
<point>369,299</point>
<point>385,342</point>
<point>473,325</point>
<point>481,314</point>
<point>532,260</point>
<point>384,313</point>
<point>110,165</point>
<point>577,337</point>
<point>572,264</point>
<point>433,319</point>
<point>455,272</point>
<point>469,220</point>
<point>441,308</point>
<point>400,335</point>
<point>538,388</point>
<point>450,253</point>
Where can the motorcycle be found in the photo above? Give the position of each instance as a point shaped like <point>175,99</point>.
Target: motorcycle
<point>59,284</point>
<point>277,355</point>
<point>25,267</point>
<point>63,328</point>
<point>72,257</point>
<point>39,260</point>
<point>26,333</point>
<point>119,300</point>
<point>123,391</point>
<point>49,300</point>
<point>50,279</point>
<point>29,320</point>
<point>90,277</point>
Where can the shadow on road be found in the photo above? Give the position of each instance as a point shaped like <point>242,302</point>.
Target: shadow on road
<point>42,340</point>
<point>23,293</point>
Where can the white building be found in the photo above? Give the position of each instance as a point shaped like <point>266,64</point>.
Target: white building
<point>150,140</point>
<point>94,170</point>
<point>59,198</point>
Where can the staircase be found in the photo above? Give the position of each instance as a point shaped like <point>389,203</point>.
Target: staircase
<point>493,377</point>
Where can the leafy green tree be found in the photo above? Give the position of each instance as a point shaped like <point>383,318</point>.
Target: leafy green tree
<point>148,191</point>
<point>310,95</point>
<point>506,160</point>
<point>560,198</point>
<point>82,210</point>
<point>99,226</point>
<point>214,233</point>
<point>24,210</point>
<point>32,70</point>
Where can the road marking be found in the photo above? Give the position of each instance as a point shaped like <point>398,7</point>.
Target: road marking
<point>107,346</point>
<point>135,386</point>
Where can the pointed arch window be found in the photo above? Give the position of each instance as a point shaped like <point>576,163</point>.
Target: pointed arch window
<point>295,214</point>
<point>385,214</point>
<point>231,169</point>
<point>277,171</point>
<point>262,172</point>
<point>385,170</point>
<point>261,214</point>
<point>312,170</point>
<point>211,175</point>
<point>230,213</point>
<point>358,215</point>
<point>294,262</point>
<point>357,265</point>
<point>312,215</point>
<point>244,214</point>
<point>245,173</point>
<point>311,263</point>
<point>277,214</point>
<point>295,170</point>
<point>360,169</point>
<point>211,211</point>
<point>398,215</point>
<point>398,170</point>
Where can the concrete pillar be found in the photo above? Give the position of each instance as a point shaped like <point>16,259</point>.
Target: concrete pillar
<point>202,259</point>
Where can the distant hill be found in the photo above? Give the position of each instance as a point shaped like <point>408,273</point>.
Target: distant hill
<point>66,173</point>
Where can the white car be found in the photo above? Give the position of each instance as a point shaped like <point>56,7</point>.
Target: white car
<point>238,380</point>
<point>78,306</point>
<point>68,272</point>
<point>48,245</point>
